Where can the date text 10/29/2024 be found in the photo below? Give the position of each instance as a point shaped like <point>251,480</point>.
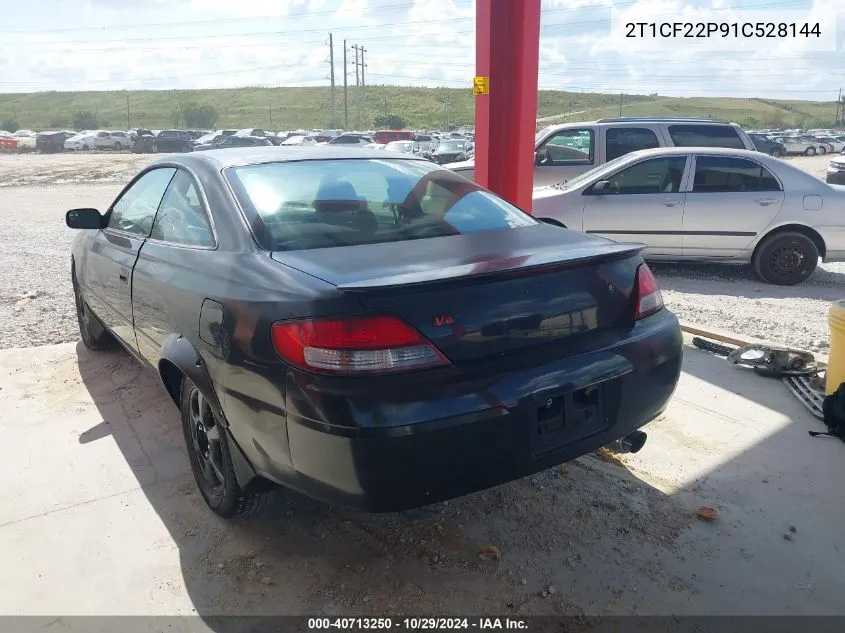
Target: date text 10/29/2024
<point>417,624</point>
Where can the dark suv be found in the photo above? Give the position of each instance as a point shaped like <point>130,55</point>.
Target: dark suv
<point>48,142</point>
<point>174,141</point>
<point>767,145</point>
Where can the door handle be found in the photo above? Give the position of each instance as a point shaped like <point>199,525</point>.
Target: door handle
<point>124,275</point>
<point>672,203</point>
<point>765,202</point>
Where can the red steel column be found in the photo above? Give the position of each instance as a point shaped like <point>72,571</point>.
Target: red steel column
<point>507,51</point>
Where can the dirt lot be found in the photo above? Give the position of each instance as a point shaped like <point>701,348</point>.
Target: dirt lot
<point>35,291</point>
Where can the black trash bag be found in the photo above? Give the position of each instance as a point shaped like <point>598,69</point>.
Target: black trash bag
<point>833,408</point>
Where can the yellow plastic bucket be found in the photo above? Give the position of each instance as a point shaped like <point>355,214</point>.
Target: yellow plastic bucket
<point>836,365</point>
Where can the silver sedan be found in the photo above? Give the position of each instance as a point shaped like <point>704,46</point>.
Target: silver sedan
<point>707,204</point>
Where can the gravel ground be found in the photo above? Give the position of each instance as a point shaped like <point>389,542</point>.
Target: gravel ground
<point>36,298</point>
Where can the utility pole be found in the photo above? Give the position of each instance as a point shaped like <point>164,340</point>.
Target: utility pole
<point>331,65</point>
<point>345,91</point>
<point>362,97</point>
<point>271,114</point>
<point>447,112</point>
<point>356,48</point>
<point>128,124</point>
<point>840,107</point>
<point>363,66</point>
<point>620,104</point>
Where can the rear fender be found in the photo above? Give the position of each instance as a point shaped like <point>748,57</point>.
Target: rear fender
<point>180,353</point>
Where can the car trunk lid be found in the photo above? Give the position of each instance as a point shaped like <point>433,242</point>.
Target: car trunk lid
<point>491,293</point>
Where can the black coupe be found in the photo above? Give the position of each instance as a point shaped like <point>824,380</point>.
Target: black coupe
<point>366,327</point>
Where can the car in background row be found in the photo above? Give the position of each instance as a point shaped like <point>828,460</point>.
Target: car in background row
<point>99,139</point>
<point>235,140</point>
<point>836,170</point>
<point>796,145</point>
<point>383,137</point>
<point>836,143</point>
<point>143,141</point>
<point>26,138</point>
<point>174,141</point>
<point>450,150</point>
<point>49,142</point>
<point>567,150</point>
<point>766,145</point>
<point>351,139</point>
<point>404,147</point>
<point>707,204</point>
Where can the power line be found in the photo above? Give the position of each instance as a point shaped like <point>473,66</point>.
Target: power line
<point>331,66</point>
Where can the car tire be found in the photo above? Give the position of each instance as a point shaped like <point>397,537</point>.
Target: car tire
<point>776,153</point>
<point>207,443</point>
<point>810,151</point>
<point>786,258</point>
<point>822,150</point>
<point>93,333</point>
<point>153,148</point>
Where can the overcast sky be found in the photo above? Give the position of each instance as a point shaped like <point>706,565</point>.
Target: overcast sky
<point>159,44</point>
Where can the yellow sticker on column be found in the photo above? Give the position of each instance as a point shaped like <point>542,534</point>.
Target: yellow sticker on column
<point>481,86</point>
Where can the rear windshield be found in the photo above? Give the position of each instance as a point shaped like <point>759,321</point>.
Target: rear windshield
<point>705,136</point>
<point>327,203</point>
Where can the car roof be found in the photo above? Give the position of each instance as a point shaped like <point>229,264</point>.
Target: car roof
<point>669,151</point>
<point>241,156</point>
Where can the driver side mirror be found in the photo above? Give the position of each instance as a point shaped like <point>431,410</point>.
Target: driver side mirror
<point>84,219</point>
<point>538,158</point>
<point>600,187</point>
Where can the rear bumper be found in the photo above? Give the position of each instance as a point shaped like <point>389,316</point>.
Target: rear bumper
<point>392,468</point>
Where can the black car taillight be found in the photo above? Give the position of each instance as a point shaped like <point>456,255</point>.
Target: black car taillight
<point>358,345</point>
<point>649,297</point>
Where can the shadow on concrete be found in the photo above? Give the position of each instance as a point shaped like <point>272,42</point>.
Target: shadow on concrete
<point>589,537</point>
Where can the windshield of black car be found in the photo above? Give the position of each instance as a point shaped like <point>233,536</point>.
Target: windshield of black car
<point>452,146</point>
<point>344,202</point>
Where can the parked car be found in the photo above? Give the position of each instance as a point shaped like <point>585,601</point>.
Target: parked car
<point>120,140</point>
<point>26,138</point>
<point>235,140</point>
<point>708,204</point>
<point>834,143</point>
<point>450,150</point>
<point>796,145</point>
<point>252,131</point>
<point>465,335</point>
<point>567,150</point>
<point>96,139</point>
<point>351,139</point>
<point>174,141</point>
<point>49,142</point>
<point>405,147</point>
<point>426,142</point>
<point>767,146</point>
<point>299,141</point>
<point>384,137</point>
<point>143,141</point>
<point>836,170</point>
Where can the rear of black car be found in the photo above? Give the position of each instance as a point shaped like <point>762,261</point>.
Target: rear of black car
<point>476,346</point>
<point>49,142</point>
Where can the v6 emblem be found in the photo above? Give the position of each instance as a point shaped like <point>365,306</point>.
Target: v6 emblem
<point>443,320</point>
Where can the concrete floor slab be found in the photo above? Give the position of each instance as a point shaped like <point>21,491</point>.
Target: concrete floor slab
<point>99,515</point>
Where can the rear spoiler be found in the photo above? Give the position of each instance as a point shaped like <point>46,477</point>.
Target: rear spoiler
<point>519,264</point>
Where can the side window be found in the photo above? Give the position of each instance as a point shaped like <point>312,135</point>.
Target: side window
<point>568,147</point>
<point>136,208</point>
<point>624,140</point>
<point>719,174</point>
<point>656,175</point>
<point>102,134</point>
<point>181,218</point>
<point>705,136</point>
